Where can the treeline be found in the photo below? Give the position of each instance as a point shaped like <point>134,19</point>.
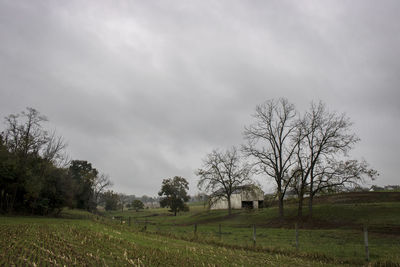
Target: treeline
<point>111,200</point>
<point>385,188</point>
<point>36,175</point>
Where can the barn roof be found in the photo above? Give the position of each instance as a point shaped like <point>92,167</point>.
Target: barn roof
<point>243,188</point>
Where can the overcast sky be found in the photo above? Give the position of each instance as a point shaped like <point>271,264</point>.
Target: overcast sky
<point>145,89</point>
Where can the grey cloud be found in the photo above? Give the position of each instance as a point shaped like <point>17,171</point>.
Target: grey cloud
<point>144,90</point>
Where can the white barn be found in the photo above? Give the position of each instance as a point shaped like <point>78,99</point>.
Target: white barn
<point>243,197</point>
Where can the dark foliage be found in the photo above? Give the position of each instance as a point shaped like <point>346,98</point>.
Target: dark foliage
<point>137,205</point>
<point>111,200</point>
<point>174,194</point>
<point>34,176</point>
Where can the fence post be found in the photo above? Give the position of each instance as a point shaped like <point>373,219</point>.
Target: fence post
<point>366,242</point>
<point>297,235</point>
<point>254,234</point>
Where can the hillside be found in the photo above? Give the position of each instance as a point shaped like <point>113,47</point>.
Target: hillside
<point>61,242</point>
<point>345,210</point>
<point>358,197</point>
<point>153,237</point>
<point>335,231</point>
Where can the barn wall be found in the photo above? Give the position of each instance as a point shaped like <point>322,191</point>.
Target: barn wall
<point>257,194</point>
<point>220,204</point>
<point>236,200</point>
<point>236,203</point>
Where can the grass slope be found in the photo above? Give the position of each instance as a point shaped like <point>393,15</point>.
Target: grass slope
<point>155,238</point>
<point>66,242</point>
<point>335,231</point>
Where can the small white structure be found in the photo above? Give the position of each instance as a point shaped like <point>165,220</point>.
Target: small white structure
<point>244,197</point>
<point>152,205</point>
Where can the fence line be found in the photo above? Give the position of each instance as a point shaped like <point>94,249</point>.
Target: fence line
<point>366,242</point>
<point>262,237</point>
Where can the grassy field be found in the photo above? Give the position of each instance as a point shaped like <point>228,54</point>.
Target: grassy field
<point>343,216</point>
<point>66,242</point>
<point>335,232</point>
<point>154,237</point>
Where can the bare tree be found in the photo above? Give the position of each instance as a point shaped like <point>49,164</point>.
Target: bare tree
<point>54,150</point>
<point>101,183</point>
<point>27,136</point>
<point>222,174</point>
<point>123,200</point>
<point>270,143</point>
<point>328,136</point>
<point>324,138</point>
<point>336,176</point>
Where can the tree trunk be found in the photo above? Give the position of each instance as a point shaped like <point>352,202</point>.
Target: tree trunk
<point>310,205</point>
<point>310,200</point>
<point>1,200</point>
<point>14,196</point>
<point>300,209</point>
<point>33,206</point>
<point>301,195</point>
<point>174,212</point>
<point>281,214</point>
<point>280,199</point>
<point>229,206</point>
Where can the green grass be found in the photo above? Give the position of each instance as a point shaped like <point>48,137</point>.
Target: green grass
<point>343,215</point>
<point>67,213</point>
<point>65,242</point>
<point>346,245</point>
<point>333,237</point>
<point>335,231</point>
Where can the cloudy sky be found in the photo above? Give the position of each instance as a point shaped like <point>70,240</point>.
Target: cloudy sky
<point>145,89</point>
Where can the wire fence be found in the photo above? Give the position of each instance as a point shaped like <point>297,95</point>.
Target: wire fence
<point>344,243</point>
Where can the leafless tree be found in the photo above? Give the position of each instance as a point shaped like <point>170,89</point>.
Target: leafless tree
<point>324,138</point>
<point>54,150</point>
<point>336,176</point>
<point>270,143</point>
<point>123,200</point>
<point>327,135</point>
<point>101,183</point>
<point>27,136</point>
<point>222,174</point>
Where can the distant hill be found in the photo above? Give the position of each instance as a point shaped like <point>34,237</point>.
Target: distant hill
<point>358,197</point>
